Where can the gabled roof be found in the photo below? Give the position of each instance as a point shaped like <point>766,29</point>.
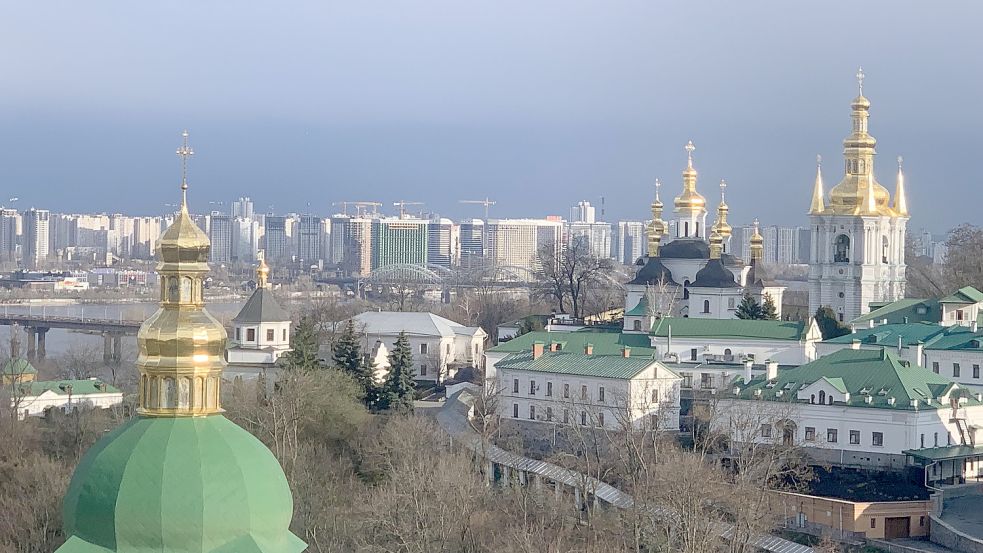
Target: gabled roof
<point>262,307</point>
<point>577,363</point>
<point>412,323</point>
<point>683,327</point>
<point>66,387</point>
<point>932,336</point>
<point>862,373</point>
<point>966,294</point>
<point>17,367</point>
<point>641,308</point>
<point>758,277</point>
<point>604,342</point>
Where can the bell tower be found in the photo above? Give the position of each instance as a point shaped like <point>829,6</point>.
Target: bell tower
<point>857,248</point>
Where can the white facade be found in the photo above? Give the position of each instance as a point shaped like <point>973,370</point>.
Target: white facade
<point>516,242</point>
<point>55,397</point>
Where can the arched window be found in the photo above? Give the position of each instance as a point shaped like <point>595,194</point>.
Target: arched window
<point>829,400</point>
<point>727,351</point>
<point>637,325</point>
<point>822,397</point>
<point>169,394</point>
<point>685,289</point>
<point>686,228</point>
<point>841,249</point>
<point>884,249</point>
<point>184,392</point>
<point>812,398</point>
<point>706,306</point>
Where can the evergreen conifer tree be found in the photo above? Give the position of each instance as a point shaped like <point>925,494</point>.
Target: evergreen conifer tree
<point>828,325</point>
<point>768,310</point>
<point>397,391</point>
<point>304,346</point>
<point>347,356</point>
<point>749,308</point>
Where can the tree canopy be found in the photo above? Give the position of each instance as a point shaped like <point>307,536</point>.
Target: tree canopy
<point>396,393</point>
<point>749,308</point>
<point>828,325</point>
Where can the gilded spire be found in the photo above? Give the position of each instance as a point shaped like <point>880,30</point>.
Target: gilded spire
<point>860,80</point>
<point>690,199</point>
<point>657,227</point>
<point>757,244</point>
<point>721,226</point>
<point>870,197</point>
<point>182,347</point>
<point>900,201</point>
<point>262,273</point>
<point>818,195</point>
<point>184,152</point>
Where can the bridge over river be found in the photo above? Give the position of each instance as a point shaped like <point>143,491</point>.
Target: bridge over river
<point>36,326</point>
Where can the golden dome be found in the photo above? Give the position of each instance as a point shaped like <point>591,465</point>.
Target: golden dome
<point>182,347</point>
<point>690,199</point>
<point>757,243</point>
<point>262,273</point>
<point>716,245</point>
<point>721,226</point>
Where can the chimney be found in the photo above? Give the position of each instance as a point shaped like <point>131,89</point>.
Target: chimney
<point>918,352</point>
<point>537,350</point>
<point>870,323</point>
<point>855,344</point>
<point>554,346</point>
<point>748,365</point>
<point>772,369</point>
<point>588,349</point>
<point>626,352</point>
<point>974,325</point>
<point>979,396</point>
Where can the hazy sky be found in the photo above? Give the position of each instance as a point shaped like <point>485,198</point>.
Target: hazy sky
<point>536,103</point>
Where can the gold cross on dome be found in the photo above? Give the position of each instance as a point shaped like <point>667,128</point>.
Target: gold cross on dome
<point>184,152</point>
<point>689,152</point>
<point>860,80</point>
<point>658,185</point>
<point>723,186</point>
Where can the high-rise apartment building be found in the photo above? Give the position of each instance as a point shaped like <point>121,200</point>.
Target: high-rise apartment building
<point>245,240</point>
<point>516,242</point>
<point>596,237</point>
<point>9,221</point>
<point>583,212</point>
<point>629,241</point>
<point>309,235</point>
<point>443,243</point>
<point>275,233</point>
<point>351,244</point>
<point>242,208</point>
<point>35,237</point>
<point>472,233</point>
<point>220,234</point>
<point>397,241</point>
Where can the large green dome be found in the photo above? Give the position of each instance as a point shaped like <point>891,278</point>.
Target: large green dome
<point>185,484</point>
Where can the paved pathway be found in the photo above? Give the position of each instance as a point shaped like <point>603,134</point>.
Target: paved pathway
<point>965,514</point>
<point>453,418</point>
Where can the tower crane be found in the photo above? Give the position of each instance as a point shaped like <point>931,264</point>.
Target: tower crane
<point>359,207</point>
<point>486,202</point>
<point>402,206</point>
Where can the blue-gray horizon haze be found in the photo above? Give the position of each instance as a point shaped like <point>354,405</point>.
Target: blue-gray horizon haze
<point>536,105</point>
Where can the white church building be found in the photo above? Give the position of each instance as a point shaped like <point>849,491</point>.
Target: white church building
<point>261,331</point>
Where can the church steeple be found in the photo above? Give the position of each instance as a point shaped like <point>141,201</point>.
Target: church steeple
<point>818,200</point>
<point>721,226</point>
<point>690,206</point>
<point>181,347</point>
<point>900,201</point>
<point>757,245</point>
<point>657,227</point>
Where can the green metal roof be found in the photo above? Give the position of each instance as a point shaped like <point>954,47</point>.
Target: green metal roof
<point>577,363</point>
<point>68,387</point>
<point>966,294</point>
<point>909,309</point>
<point>945,452</point>
<point>17,367</point>
<point>683,327</point>
<point>861,372</point>
<point>605,342</point>
<point>933,336</point>
<point>641,309</point>
<point>188,484</point>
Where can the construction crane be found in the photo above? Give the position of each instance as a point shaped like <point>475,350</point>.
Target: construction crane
<point>359,207</point>
<point>486,202</point>
<point>402,206</point>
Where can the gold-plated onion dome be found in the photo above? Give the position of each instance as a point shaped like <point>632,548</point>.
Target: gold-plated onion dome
<point>721,226</point>
<point>181,346</point>
<point>657,228</point>
<point>690,200</point>
<point>262,273</point>
<point>716,245</point>
<point>757,243</point>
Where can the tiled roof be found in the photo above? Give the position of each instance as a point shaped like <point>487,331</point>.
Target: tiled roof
<point>863,373</point>
<point>605,342</point>
<point>577,363</point>
<point>684,327</point>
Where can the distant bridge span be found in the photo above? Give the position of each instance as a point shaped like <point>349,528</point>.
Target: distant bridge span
<point>37,327</point>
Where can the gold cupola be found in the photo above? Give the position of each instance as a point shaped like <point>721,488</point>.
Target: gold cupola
<point>757,244</point>
<point>181,346</point>
<point>721,226</point>
<point>262,273</point>
<point>716,245</point>
<point>690,201</point>
<point>859,193</point>
<point>657,228</point>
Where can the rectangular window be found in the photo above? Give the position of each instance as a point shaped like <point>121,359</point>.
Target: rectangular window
<point>693,353</point>
<point>955,370</point>
<point>566,416</point>
<point>566,391</point>
<point>873,522</point>
<point>250,334</point>
<point>270,336</point>
<point>810,434</point>
<point>515,385</point>
<point>855,437</point>
<point>532,387</point>
<point>935,367</point>
<point>423,348</point>
<point>831,435</point>
<point>549,389</point>
<point>583,418</point>
<point>600,394</point>
<point>877,438</point>
<point>515,410</point>
<point>765,430</point>
<point>549,414</point>
<point>655,396</point>
<point>238,334</point>
<point>284,335</point>
<point>532,412</point>
<point>706,381</point>
<point>583,392</point>
<point>921,521</point>
<point>921,441</point>
<point>976,370</point>
<point>687,380</point>
<point>423,369</point>
<point>600,419</point>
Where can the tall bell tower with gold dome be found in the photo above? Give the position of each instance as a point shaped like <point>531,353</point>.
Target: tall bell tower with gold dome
<point>858,234</point>
<point>690,206</point>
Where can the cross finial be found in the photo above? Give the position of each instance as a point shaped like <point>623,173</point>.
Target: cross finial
<point>860,80</point>
<point>819,161</point>
<point>689,153</point>
<point>658,185</point>
<point>755,223</point>
<point>184,152</point>
<point>900,162</point>
<point>723,186</point>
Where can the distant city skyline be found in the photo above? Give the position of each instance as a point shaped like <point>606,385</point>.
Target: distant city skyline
<point>438,101</point>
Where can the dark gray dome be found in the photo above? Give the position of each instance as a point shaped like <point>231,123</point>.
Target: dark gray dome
<point>653,272</point>
<point>685,248</point>
<point>714,275</point>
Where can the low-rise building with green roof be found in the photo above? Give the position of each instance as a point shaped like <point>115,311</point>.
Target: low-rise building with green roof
<point>730,340</point>
<point>37,397</point>
<point>856,407</point>
<point>955,351</point>
<point>17,369</point>
<point>964,307</point>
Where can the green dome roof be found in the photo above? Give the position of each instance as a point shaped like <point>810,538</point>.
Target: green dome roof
<point>189,484</point>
